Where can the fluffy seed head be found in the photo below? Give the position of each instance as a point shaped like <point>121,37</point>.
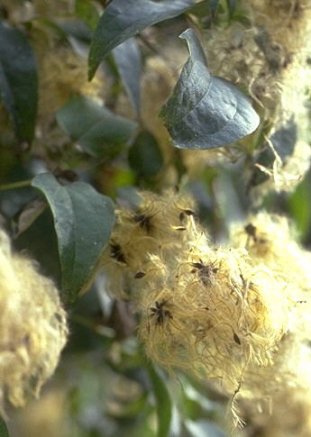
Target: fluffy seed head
<point>210,311</point>
<point>215,316</point>
<point>269,239</point>
<point>33,327</point>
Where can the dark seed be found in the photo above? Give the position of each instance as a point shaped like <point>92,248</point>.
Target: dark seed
<point>116,253</point>
<point>250,230</point>
<point>160,313</point>
<point>189,211</point>
<point>140,275</point>
<point>143,221</point>
<point>236,338</point>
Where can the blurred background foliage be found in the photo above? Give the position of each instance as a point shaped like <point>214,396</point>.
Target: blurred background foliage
<point>107,133</point>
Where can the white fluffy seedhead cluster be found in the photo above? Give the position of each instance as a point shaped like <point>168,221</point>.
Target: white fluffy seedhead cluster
<point>266,53</point>
<point>267,56</point>
<point>287,386</point>
<point>270,239</point>
<point>225,314</point>
<point>33,328</point>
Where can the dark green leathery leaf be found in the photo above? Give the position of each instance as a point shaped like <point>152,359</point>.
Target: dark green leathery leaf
<point>164,404</point>
<point>83,220</point>
<point>128,60</point>
<point>99,132</point>
<point>123,19</point>
<point>145,156</point>
<point>206,111</point>
<point>18,81</point>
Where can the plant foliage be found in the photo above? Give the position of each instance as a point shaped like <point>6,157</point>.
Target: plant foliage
<point>109,110</point>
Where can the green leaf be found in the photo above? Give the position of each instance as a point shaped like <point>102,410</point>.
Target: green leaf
<point>205,111</point>
<point>99,132</point>
<point>78,29</point>
<point>204,8</point>
<point>18,81</point>
<point>300,208</point>
<point>123,19</point>
<point>3,429</point>
<point>83,220</point>
<point>39,240</point>
<point>163,401</point>
<point>231,6</point>
<point>128,61</point>
<point>145,156</point>
<point>87,12</point>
